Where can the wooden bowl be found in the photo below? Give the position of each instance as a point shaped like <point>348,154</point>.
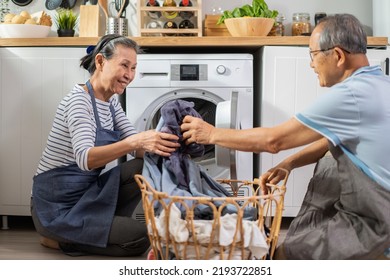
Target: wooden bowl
<point>249,26</point>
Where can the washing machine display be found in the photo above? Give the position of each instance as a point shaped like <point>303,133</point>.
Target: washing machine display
<point>217,84</point>
<point>189,72</point>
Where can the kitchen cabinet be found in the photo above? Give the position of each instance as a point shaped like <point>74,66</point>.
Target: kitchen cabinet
<point>32,82</point>
<point>288,85</point>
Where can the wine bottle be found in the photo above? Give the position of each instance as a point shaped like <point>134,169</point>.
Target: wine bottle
<point>186,24</point>
<point>153,14</point>
<point>170,25</point>
<point>186,14</point>
<point>170,14</point>
<point>154,24</point>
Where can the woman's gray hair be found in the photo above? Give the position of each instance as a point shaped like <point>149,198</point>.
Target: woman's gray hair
<point>106,46</point>
<point>344,31</point>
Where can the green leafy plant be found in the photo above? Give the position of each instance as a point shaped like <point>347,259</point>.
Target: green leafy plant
<point>66,19</point>
<point>258,9</point>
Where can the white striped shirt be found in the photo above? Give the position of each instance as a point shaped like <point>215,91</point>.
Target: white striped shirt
<point>74,129</point>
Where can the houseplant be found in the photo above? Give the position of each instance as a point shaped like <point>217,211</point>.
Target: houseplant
<point>66,21</point>
<point>249,20</point>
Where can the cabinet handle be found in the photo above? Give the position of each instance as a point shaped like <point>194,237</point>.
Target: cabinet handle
<point>387,62</point>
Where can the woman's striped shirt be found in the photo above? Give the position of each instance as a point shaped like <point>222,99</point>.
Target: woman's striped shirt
<point>74,129</point>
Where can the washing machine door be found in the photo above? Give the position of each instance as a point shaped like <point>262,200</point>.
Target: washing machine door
<point>226,117</point>
<point>205,103</point>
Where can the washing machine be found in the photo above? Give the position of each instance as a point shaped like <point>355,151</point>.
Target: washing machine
<point>219,85</point>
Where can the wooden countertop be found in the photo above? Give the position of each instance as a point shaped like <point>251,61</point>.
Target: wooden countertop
<point>208,41</point>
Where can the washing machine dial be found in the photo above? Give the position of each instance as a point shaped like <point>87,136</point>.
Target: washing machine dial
<point>221,69</point>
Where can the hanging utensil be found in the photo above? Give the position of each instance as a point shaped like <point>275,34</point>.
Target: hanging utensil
<point>120,6</point>
<point>52,4</point>
<point>21,2</point>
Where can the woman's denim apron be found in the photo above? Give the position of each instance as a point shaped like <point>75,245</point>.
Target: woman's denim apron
<point>79,205</point>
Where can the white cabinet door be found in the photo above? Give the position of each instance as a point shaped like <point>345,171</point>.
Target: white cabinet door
<point>288,85</point>
<point>33,81</point>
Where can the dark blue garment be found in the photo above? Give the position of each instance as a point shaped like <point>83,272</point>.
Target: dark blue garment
<point>79,205</point>
<point>172,115</point>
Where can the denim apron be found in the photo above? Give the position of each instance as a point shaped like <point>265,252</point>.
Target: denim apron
<point>78,205</point>
<point>344,215</point>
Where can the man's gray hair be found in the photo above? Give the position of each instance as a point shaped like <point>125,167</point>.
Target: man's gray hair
<point>344,31</point>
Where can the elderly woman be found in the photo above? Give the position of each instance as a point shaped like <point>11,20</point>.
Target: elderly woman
<point>74,207</point>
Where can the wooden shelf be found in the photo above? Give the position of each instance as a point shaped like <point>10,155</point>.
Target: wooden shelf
<point>144,19</point>
<point>179,42</point>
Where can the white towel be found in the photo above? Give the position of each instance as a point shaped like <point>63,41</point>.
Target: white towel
<point>254,238</point>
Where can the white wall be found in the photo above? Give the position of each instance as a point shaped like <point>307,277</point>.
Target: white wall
<point>362,9</point>
<point>381,18</point>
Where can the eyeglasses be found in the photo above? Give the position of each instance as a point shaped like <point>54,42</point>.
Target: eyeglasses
<point>312,53</point>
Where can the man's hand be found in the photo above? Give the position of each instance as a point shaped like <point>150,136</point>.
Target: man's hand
<point>195,130</point>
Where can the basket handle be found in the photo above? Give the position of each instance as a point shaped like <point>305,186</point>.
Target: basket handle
<point>280,185</point>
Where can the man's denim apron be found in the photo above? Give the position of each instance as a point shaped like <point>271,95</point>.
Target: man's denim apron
<point>79,205</point>
<point>344,215</point>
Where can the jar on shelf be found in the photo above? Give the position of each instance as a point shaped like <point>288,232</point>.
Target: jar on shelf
<point>318,17</point>
<point>278,28</point>
<point>301,24</point>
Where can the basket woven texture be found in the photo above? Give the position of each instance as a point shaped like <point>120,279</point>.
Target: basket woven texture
<point>267,203</point>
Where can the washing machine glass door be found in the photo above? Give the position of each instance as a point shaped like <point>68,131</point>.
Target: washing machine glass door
<point>205,104</point>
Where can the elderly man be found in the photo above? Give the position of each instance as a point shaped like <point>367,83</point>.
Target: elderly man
<point>346,211</point>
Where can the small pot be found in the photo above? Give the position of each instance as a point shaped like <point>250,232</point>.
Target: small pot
<point>65,32</point>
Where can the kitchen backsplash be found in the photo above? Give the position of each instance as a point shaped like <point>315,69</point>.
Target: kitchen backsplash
<point>362,9</point>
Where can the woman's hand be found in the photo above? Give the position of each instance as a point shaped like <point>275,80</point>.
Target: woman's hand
<point>162,144</point>
<point>196,130</point>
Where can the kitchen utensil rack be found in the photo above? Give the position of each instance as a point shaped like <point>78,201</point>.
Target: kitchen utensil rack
<point>144,19</point>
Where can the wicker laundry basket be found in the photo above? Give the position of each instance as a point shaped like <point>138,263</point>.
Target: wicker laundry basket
<point>268,206</point>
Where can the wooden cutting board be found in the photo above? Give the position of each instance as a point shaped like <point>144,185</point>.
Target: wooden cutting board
<point>92,21</point>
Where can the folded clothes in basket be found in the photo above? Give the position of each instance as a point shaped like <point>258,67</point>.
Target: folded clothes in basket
<point>179,175</point>
<point>254,239</point>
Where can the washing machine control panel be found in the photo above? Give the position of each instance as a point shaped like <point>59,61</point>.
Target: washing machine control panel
<point>189,72</point>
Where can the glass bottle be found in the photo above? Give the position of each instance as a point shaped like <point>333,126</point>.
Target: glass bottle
<point>170,14</point>
<point>318,17</point>
<point>153,14</point>
<point>154,24</point>
<point>278,28</point>
<point>186,14</point>
<point>170,25</point>
<point>186,24</point>
<point>301,24</point>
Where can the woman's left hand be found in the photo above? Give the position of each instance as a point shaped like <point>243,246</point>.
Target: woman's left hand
<point>162,144</point>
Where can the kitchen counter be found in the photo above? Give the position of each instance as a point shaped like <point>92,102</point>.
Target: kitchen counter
<point>174,42</point>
